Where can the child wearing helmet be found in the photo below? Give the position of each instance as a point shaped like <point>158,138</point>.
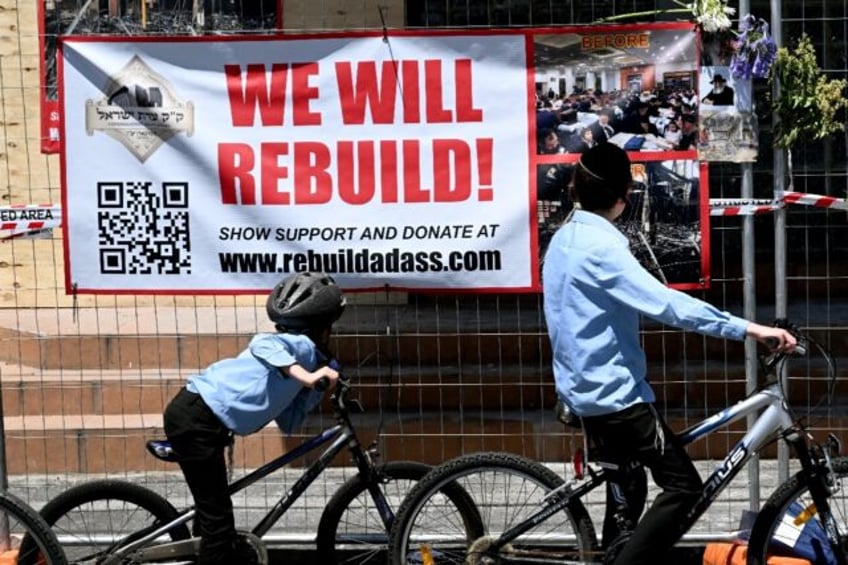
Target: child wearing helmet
<point>274,378</point>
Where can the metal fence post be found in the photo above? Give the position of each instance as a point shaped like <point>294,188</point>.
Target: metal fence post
<point>749,295</point>
<point>779,231</point>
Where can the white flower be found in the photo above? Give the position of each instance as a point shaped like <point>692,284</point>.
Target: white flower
<point>713,23</point>
<point>712,15</point>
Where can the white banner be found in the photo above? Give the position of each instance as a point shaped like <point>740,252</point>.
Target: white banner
<point>219,165</point>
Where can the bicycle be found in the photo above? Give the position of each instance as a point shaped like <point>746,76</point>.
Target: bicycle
<point>353,527</point>
<point>24,535</point>
<point>529,514</point>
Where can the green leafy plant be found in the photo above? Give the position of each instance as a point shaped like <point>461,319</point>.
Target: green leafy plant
<point>809,103</point>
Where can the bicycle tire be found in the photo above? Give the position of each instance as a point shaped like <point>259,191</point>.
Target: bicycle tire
<point>514,480</point>
<point>796,489</point>
<point>351,530</point>
<point>88,518</point>
<point>22,523</point>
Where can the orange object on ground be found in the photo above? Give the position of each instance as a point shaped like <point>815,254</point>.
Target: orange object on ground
<point>737,553</point>
<point>427,555</point>
<point>9,557</point>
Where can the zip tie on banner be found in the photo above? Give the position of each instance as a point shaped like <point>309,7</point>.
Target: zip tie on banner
<point>23,219</point>
<point>743,206</point>
<point>815,200</point>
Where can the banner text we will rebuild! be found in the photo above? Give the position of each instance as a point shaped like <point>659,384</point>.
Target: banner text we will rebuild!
<point>307,169</point>
<point>262,157</point>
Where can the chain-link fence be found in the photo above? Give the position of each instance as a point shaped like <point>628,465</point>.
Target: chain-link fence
<point>85,377</point>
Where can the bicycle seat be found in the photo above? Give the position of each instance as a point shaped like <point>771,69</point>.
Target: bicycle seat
<point>161,449</point>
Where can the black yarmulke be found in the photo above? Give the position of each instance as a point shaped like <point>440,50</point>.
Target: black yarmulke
<point>611,163</point>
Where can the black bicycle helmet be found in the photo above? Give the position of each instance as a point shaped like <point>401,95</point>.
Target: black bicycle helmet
<point>305,301</point>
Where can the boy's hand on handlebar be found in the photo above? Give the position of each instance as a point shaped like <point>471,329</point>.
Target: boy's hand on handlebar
<point>320,379</point>
<point>777,340</point>
<point>324,378</point>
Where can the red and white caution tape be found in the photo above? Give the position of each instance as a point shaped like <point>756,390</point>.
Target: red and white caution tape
<point>742,206</point>
<point>754,206</point>
<point>815,200</point>
<point>22,219</point>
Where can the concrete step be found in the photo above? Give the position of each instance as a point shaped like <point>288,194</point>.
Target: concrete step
<point>88,402</point>
<point>32,392</point>
<point>122,352</point>
<point>189,339</point>
<point>115,443</point>
<point>466,331</point>
<point>117,352</point>
<point>699,387</point>
<point>28,391</point>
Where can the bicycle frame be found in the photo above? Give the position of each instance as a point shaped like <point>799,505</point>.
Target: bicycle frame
<point>341,436</point>
<point>774,419</point>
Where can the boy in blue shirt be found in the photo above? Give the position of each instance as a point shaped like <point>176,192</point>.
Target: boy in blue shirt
<point>595,292</point>
<point>275,378</point>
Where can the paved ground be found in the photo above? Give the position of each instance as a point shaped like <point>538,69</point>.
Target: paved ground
<point>297,528</point>
<point>680,556</point>
<point>301,520</point>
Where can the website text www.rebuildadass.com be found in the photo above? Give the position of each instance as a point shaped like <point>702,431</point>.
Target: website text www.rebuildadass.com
<point>362,261</point>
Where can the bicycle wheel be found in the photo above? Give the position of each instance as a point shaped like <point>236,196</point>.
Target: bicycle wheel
<point>25,538</point>
<point>771,523</point>
<point>351,529</point>
<point>92,517</point>
<point>506,489</point>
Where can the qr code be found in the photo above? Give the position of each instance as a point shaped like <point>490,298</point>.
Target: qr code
<point>143,229</point>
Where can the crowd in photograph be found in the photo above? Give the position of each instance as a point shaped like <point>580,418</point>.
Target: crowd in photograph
<point>658,120</point>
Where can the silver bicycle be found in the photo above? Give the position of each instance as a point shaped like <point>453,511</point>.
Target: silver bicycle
<point>529,514</point>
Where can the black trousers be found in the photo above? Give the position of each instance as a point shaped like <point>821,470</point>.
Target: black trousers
<point>639,434</point>
<point>200,439</point>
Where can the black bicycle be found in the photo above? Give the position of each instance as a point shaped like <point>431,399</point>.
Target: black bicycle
<point>529,514</point>
<point>112,522</point>
<point>24,535</point>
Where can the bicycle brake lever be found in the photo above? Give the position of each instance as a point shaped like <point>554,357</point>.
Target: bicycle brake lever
<point>801,347</point>
<point>833,445</point>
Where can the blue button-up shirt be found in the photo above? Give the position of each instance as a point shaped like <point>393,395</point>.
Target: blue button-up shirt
<point>594,293</point>
<point>248,391</point>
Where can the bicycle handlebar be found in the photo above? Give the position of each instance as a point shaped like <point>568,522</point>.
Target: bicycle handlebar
<point>801,346</point>
<point>806,345</point>
<point>339,398</point>
<point>324,382</point>
<point>800,349</point>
